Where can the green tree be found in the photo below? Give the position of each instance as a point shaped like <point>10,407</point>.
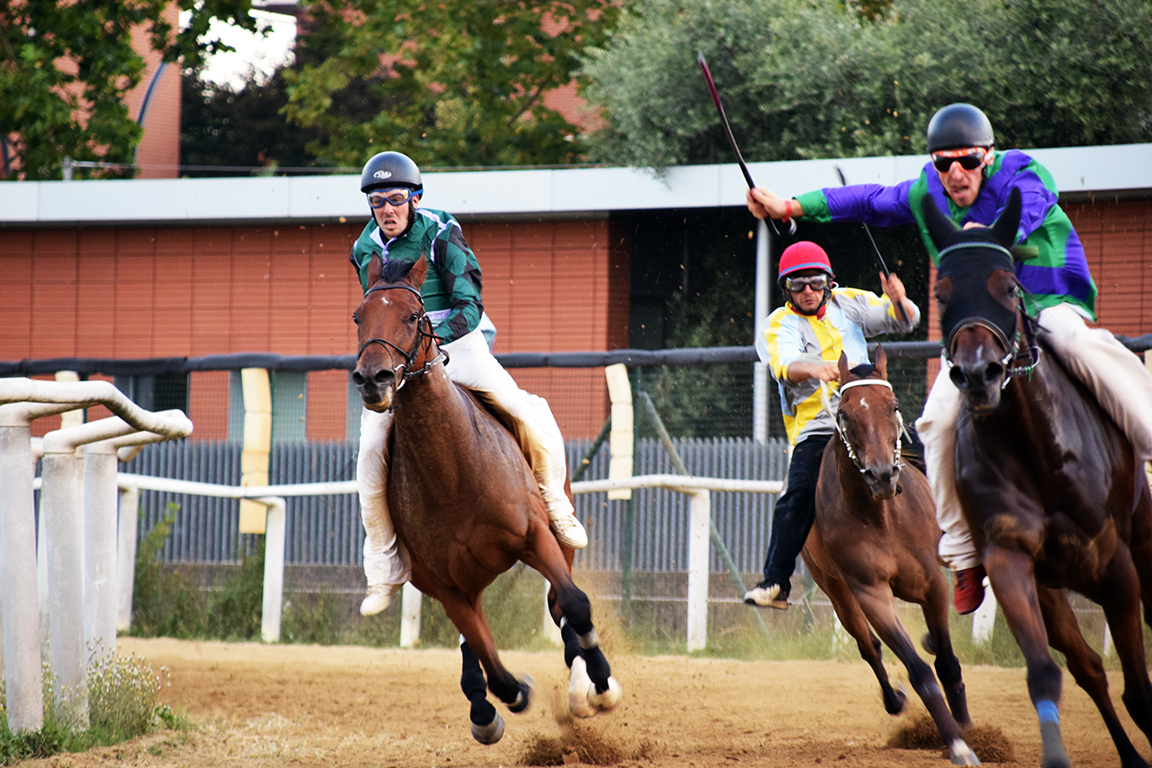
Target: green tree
<point>455,84</point>
<point>807,80</point>
<point>65,68</point>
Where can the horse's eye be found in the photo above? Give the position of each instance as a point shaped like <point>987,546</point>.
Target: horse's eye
<point>415,317</point>
<point>355,319</point>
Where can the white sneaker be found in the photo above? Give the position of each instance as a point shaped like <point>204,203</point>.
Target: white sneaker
<point>567,528</point>
<point>767,596</point>
<point>378,598</point>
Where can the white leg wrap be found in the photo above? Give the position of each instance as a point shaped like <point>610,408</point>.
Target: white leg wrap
<point>937,429</point>
<point>385,559</point>
<point>1118,378</point>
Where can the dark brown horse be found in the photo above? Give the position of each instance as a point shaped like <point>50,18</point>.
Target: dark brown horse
<point>874,539</point>
<point>1052,490</point>
<point>464,500</point>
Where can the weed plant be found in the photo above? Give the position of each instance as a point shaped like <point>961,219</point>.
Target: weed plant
<point>123,703</point>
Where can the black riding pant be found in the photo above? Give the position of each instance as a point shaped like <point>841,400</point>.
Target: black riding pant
<point>795,511</point>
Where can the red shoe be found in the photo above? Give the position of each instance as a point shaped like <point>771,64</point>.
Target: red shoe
<point>969,589</point>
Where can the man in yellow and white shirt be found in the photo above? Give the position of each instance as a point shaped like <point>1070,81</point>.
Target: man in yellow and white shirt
<point>801,344</point>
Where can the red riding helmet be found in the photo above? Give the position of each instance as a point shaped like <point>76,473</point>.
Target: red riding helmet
<point>804,255</point>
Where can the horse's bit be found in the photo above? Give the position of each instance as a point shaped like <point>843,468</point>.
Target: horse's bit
<point>824,399</point>
<point>421,334</point>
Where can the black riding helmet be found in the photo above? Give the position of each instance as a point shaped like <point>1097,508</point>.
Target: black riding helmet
<point>390,169</point>
<point>958,126</point>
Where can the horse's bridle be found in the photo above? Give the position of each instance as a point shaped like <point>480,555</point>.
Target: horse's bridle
<point>1024,325</point>
<point>836,421</point>
<point>423,331</point>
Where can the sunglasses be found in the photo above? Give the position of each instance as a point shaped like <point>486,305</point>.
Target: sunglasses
<point>394,197</point>
<point>969,159</point>
<point>798,284</point>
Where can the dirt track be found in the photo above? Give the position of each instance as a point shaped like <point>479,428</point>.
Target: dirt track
<point>340,707</point>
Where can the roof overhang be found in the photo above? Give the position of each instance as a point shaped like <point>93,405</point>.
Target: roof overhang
<point>1081,173</point>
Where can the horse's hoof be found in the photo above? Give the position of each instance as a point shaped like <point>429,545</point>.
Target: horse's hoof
<point>608,699</point>
<point>894,704</point>
<point>578,688</point>
<point>523,697</point>
<point>961,754</point>
<point>491,733</point>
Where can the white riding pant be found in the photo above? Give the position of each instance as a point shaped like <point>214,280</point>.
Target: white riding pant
<point>471,365</point>
<point>1118,378</point>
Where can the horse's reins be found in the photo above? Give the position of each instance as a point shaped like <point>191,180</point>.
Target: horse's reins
<point>827,403</point>
<point>421,334</point>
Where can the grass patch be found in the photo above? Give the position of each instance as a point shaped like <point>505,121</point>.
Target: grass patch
<point>123,703</point>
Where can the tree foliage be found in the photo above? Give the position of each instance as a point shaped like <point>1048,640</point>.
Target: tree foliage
<point>65,68</point>
<point>822,79</point>
<point>454,84</point>
<point>233,128</point>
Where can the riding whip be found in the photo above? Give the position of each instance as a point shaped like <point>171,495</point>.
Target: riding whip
<point>732,139</point>
<point>879,258</point>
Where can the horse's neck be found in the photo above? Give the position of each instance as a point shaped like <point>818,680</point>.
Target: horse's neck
<point>1045,405</point>
<point>852,486</point>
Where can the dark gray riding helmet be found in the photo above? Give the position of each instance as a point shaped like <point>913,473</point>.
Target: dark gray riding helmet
<point>957,126</point>
<point>390,169</point>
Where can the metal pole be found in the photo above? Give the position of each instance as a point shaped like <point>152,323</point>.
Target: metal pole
<point>760,379</point>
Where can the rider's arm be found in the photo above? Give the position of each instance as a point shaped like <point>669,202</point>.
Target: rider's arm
<point>460,273</point>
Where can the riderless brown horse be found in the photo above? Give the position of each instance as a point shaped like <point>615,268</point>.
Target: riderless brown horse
<point>874,539</point>
<point>464,500</point>
<point>1052,490</point>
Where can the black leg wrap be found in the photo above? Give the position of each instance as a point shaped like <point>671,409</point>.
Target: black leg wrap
<point>482,712</point>
<point>472,680</point>
<point>571,643</point>
<point>598,668</point>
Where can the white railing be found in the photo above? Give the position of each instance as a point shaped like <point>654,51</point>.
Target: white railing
<point>74,517</point>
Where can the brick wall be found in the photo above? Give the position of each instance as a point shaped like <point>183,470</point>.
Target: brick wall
<point>187,291</point>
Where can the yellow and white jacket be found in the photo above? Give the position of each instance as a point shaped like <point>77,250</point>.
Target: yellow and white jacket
<point>786,337</point>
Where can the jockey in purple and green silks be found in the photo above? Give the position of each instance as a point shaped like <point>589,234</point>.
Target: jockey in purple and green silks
<point>971,181</point>
<point>1057,274</point>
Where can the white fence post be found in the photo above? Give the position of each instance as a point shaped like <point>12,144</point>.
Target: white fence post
<point>21,610</point>
<point>700,512</point>
<point>699,517</point>
<point>410,605</point>
<point>273,604</point>
<point>128,515</point>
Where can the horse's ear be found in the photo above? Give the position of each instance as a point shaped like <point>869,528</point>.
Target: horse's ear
<point>845,370</point>
<point>881,364</point>
<point>940,227</point>
<point>1005,228</point>
<point>419,271</point>
<point>375,265</point>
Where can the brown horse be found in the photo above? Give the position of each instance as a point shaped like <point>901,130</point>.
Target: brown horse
<point>464,500</point>
<point>874,539</point>
<point>1052,490</point>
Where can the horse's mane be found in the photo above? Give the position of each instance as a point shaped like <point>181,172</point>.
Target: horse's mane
<point>863,370</point>
<point>395,270</point>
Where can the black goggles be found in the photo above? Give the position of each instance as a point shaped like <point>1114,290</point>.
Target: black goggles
<point>394,197</point>
<point>798,284</point>
<point>969,159</point>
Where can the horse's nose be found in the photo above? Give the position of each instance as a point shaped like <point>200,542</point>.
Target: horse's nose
<point>979,376</point>
<point>882,480</point>
<point>370,380</point>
